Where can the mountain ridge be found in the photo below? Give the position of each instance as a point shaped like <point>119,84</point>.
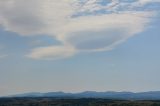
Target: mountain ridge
<point>151,95</point>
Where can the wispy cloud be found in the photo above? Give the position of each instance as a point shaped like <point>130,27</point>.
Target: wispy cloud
<point>80,26</point>
<point>52,52</point>
<point>3,56</point>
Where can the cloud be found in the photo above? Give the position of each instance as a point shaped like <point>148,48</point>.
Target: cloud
<point>2,55</point>
<point>80,26</point>
<point>103,32</point>
<point>34,17</point>
<point>52,52</point>
<point>144,2</point>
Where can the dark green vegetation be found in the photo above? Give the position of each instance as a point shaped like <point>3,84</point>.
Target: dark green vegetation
<point>73,102</point>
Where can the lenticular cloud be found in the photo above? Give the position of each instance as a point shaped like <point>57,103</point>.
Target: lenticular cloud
<point>80,26</point>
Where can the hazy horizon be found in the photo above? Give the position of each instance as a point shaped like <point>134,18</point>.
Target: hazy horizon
<point>76,92</point>
<point>79,45</point>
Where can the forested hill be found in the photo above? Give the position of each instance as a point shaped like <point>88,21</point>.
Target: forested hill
<point>152,95</point>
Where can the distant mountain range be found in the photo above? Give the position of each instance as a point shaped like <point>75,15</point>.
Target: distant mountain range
<point>152,95</point>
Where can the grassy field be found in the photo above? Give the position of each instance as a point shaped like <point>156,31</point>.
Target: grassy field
<point>73,102</point>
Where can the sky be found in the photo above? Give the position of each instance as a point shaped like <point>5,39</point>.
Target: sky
<point>79,45</point>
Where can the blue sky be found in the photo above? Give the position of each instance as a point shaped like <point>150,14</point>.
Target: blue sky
<point>73,46</point>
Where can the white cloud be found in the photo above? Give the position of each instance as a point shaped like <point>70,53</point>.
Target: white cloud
<point>74,23</point>
<point>102,32</point>
<point>52,52</point>
<point>34,16</point>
